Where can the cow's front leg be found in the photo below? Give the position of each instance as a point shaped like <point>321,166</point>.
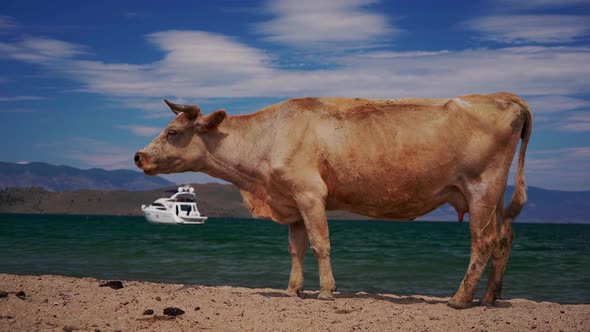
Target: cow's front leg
<point>313,211</point>
<point>297,248</point>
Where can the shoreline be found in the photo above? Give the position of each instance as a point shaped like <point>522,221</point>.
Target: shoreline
<point>68,303</point>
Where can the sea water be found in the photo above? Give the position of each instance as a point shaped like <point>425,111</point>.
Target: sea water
<point>548,262</point>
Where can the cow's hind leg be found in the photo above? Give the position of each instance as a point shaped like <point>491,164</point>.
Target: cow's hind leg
<point>297,248</point>
<point>499,259</point>
<point>484,237</point>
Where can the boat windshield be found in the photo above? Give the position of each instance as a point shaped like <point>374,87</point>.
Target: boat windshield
<point>159,206</point>
<point>189,198</point>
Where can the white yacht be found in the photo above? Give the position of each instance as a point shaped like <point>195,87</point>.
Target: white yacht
<point>180,208</point>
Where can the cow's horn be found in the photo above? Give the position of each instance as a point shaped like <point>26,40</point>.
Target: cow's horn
<point>191,110</point>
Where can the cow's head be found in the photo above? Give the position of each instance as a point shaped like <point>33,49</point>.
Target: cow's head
<point>180,147</point>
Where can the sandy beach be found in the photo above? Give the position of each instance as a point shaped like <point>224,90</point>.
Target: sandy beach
<point>71,304</point>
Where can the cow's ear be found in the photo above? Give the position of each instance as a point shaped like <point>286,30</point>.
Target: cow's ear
<point>211,121</point>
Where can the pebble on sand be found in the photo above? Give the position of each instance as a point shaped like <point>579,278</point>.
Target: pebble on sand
<point>171,311</point>
<point>20,294</point>
<point>115,284</point>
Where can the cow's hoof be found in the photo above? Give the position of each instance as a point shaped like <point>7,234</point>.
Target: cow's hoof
<point>487,302</point>
<point>295,292</point>
<point>326,296</point>
<point>457,305</point>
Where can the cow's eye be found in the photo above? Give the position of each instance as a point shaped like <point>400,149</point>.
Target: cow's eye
<point>171,132</point>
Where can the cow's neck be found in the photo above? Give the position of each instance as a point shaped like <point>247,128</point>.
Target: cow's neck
<point>238,151</point>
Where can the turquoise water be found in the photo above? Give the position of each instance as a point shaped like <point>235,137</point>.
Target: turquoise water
<point>549,262</point>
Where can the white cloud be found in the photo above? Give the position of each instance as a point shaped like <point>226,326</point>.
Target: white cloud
<point>531,28</point>
<point>114,79</point>
<point>104,159</point>
<point>310,24</point>
<point>579,152</point>
<point>152,107</point>
<point>412,54</point>
<point>51,47</point>
<point>576,122</point>
<point>555,104</point>
<point>20,98</point>
<point>40,50</point>
<point>523,70</point>
<point>564,168</point>
<point>538,4</point>
<point>90,152</point>
<point>139,130</point>
<point>584,117</point>
<point>196,64</point>
<point>211,56</point>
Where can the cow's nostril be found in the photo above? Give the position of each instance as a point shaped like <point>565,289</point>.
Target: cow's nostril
<point>136,158</point>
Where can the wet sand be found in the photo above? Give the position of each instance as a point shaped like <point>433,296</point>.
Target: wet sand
<point>79,304</point>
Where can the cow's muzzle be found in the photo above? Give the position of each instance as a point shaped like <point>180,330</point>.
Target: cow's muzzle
<point>137,159</point>
<point>143,162</point>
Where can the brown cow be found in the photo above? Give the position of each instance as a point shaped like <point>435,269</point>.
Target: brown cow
<point>389,159</point>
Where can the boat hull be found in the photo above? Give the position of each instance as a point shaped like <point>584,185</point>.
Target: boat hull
<point>164,217</point>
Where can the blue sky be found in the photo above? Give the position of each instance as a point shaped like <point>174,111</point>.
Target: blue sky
<point>82,82</point>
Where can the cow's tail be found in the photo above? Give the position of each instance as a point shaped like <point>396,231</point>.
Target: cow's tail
<point>519,196</point>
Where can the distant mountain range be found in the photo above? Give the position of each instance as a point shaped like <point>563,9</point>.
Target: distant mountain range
<point>62,178</point>
<point>44,188</point>
<point>543,204</point>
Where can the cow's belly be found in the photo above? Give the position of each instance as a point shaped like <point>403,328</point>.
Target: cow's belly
<point>387,205</point>
<point>403,196</point>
